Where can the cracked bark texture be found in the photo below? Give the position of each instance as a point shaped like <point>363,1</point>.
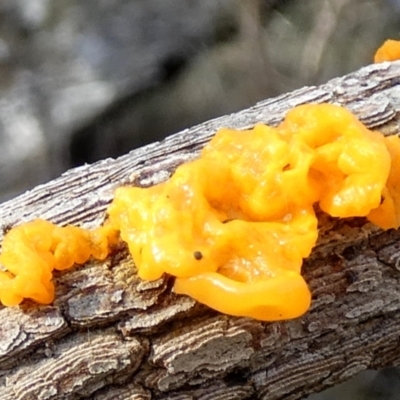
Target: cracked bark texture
<point>109,335</point>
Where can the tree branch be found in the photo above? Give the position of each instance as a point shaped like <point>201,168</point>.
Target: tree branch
<point>109,335</point>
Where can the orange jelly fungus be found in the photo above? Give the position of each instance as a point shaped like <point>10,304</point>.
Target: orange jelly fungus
<point>31,251</point>
<point>234,225</point>
<point>389,51</point>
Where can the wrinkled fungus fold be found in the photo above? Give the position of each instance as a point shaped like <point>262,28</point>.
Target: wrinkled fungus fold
<point>234,225</point>
<point>31,251</point>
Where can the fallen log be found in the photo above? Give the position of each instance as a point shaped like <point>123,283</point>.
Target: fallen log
<point>109,335</point>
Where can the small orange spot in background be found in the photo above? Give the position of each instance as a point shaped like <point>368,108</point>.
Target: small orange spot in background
<point>389,51</point>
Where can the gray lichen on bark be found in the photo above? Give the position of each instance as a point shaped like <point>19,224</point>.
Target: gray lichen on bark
<point>109,335</point>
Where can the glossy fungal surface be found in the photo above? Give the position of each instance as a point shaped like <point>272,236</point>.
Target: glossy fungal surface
<point>247,207</point>
<point>233,226</point>
<point>389,51</point>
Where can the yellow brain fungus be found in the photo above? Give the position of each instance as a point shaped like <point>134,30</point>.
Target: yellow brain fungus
<point>234,225</point>
<point>31,252</point>
<point>389,51</point>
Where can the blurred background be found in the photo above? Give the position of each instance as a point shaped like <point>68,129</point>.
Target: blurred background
<point>85,80</point>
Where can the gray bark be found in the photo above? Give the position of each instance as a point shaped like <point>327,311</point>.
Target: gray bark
<point>109,335</point>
